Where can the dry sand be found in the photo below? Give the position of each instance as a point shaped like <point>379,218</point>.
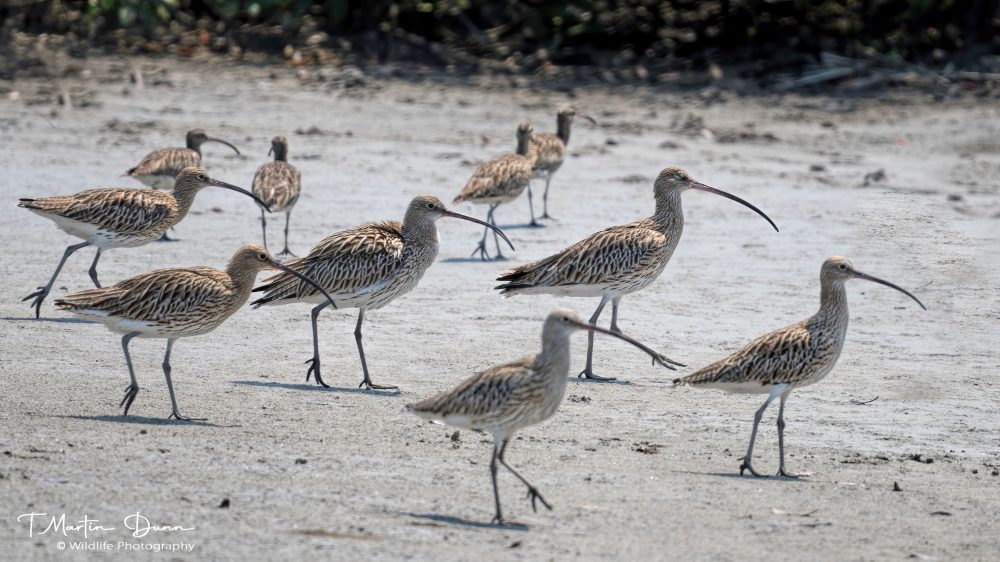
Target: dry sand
<point>636,470</point>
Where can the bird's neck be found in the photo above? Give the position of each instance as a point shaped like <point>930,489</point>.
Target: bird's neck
<point>184,196</point>
<point>833,303</point>
<point>280,156</point>
<point>556,356</point>
<point>669,214</point>
<point>522,145</point>
<point>562,131</point>
<point>420,231</point>
<point>195,147</point>
<point>242,278</point>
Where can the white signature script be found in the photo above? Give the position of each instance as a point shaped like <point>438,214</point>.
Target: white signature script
<point>42,523</point>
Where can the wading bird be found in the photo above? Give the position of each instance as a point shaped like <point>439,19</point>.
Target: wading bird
<point>278,184</point>
<point>117,217</point>
<point>616,261</point>
<point>794,356</point>
<point>549,152</point>
<point>365,267</point>
<point>523,392</point>
<point>159,168</point>
<point>174,303</point>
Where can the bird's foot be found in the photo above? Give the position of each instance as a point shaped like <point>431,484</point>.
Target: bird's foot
<point>39,296</point>
<point>586,373</point>
<point>791,475</point>
<point>548,217</point>
<point>481,250</point>
<point>175,415</point>
<point>314,371</point>
<point>286,253</point>
<point>745,465</point>
<point>667,362</point>
<point>533,495</point>
<point>165,238</point>
<point>500,257</point>
<point>535,224</point>
<point>130,393</point>
<point>367,383</point>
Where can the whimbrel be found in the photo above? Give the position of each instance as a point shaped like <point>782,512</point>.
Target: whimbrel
<point>117,217</point>
<point>365,267</point>
<point>549,151</point>
<point>794,356</point>
<point>159,168</point>
<point>615,261</point>
<point>523,392</point>
<point>498,181</point>
<point>278,184</point>
<point>173,303</point>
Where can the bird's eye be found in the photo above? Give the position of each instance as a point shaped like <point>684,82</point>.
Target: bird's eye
<point>842,267</point>
<point>430,205</point>
<point>202,177</point>
<point>263,257</point>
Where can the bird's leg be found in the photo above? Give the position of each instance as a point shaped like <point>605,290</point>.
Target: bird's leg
<point>367,383</point>
<point>165,238</point>
<point>496,238</point>
<point>314,367</point>
<point>589,370</point>
<point>93,269</point>
<point>498,519</point>
<point>614,315</point>
<point>781,437</point>
<point>42,292</point>
<point>132,390</point>
<point>531,207</point>
<point>481,248</point>
<point>533,493</point>
<point>263,227</point>
<point>170,387</point>
<point>745,462</point>
<point>286,251</point>
<point>545,198</point>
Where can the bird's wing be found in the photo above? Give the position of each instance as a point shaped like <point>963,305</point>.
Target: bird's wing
<point>155,295</point>
<point>166,162</point>
<point>345,263</point>
<point>278,184</point>
<point>598,258</point>
<point>495,177</point>
<point>119,209</point>
<point>480,395</point>
<point>546,149</point>
<point>779,357</point>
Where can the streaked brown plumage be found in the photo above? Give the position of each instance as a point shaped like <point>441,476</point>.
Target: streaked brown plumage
<point>514,395</point>
<point>791,357</point>
<point>159,168</point>
<point>278,184</point>
<point>365,267</point>
<point>498,181</point>
<point>615,261</point>
<point>172,303</point>
<point>117,217</point>
<point>548,151</point>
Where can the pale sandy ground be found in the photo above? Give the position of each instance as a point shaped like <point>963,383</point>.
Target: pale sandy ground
<point>377,483</point>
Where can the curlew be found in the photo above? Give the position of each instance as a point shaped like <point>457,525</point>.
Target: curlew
<point>119,217</point>
<point>794,356</point>
<point>278,184</point>
<point>173,303</point>
<point>549,151</point>
<point>365,267</point>
<point>159,168</point>
<point>523,392</point>
<point>615,261</point>
<point>498,181</point>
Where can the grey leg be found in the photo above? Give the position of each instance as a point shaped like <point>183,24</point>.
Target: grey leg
<point>589,370</point>
<point>781,436</point>
<point>93,270</point>
<point>314,367</point>
<point>614,314</point>
<point>263,228</point>
<point>170,386</point>
<point>545,198</point>
<point>367,383</point>
<point>496,237</point>
<point>481,248</point>
<point>498,518</point>
<point>286,251</point>
<point>746,464</point>
<point>532,491</point>
<point>42,292</point>
<point>133,388</point>
<point>531,207</point>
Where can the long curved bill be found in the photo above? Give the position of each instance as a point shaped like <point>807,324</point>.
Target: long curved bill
<point>860,275</point>
<point>213,139</point>
<point>278,265</point>
<point>477,221</point>
<point>225,185</point>
<point>588,118</point>
<point>657,357</point>
<point>702,187</point>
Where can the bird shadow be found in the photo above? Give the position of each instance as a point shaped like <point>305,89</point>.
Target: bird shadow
<point>738,476</point>
<point>522,226</point>
<point>316,387</point>
<point>583,380</point>
<point>141,420</point>
<point>450,520</point>
<point>474,260</point>
<point>56,320</point>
